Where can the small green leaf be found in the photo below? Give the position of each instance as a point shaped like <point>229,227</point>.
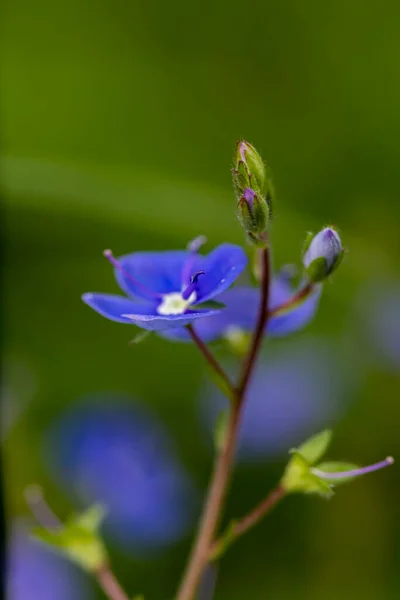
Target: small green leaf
<point>220,430</point>
<point>298,477</point>
<point>91,519</point>
<point>315,447</point>
<point>78,539</point>
<point>336,467</point>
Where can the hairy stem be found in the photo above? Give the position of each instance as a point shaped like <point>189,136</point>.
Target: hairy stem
<point>218,489</point>
<point>246,523</point>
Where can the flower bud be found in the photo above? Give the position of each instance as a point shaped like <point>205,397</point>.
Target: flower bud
<point>251,172</point>
<point>322,254</point>
<point>253,213</point>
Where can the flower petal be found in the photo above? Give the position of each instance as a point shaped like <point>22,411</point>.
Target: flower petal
<point>242,306</point>
<point>221,267</point>
<point>155,322</point>
<point>116,307</point>
<point>155,272</point>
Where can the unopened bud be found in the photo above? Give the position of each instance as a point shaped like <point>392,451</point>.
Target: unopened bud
<point>253,213</point>
<point>250,171</point>
<point>322,254</point>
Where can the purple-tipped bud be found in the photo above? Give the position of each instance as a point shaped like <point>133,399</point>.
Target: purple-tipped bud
<point>253,214</point>
<point>323,253</point>
<point>250,172</point>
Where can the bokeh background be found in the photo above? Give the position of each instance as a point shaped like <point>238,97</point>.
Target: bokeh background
<point>118,123</point>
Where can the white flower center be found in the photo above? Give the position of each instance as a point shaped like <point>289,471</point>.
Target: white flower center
<point>175,304</point>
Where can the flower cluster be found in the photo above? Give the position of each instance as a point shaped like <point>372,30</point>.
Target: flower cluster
<point>187,296</point>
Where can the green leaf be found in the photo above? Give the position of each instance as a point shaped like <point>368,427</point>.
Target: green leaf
<point>78,539</point>
<point>91,519</point>
<point>315,447</point>
<point>298,477</point>
<point>336,467</point>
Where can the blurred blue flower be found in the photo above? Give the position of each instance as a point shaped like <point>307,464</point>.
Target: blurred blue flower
<point>112,451</point>
<point>34,572</point>
<point>294,392</point>
<point>242,307</point>
<point>379,305</point>
<point>165,289</point>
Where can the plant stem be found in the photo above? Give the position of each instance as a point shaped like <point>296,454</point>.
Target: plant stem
<point>212,510</point>
<point>223,467</point>
<point>259,331</point>
<point>250,520</point>
<point>49,520</point>
<point>110,585</point>
<point>210,358</point>
<point>300,295</point>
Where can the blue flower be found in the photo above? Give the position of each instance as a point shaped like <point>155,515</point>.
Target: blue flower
<point>111,450</point>
<point>242,307</point>
<point>165,289</point>
<point>35,572</point>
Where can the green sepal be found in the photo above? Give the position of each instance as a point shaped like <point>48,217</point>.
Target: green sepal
<point>298,477</point>
<point>258,241</point>
<point>140,337</point>
<point>317,270</point>
<point>78,539</point>
<point>307,241</point>
<point>315,447</point>
<point>336,467</point>
<point>210,304</point>
<point>337,262</point>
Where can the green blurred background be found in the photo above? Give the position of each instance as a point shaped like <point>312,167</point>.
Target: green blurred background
<point>118,122</point>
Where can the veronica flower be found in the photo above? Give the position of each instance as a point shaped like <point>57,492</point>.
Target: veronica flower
<point>35,572</point>
<point>112,451</point>
<point>294,392</point>
<point>166,289</point>
<point>242,305</point>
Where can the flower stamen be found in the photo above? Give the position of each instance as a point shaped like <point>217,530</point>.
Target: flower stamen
<point>191,288</point>
<point>193,247</point>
